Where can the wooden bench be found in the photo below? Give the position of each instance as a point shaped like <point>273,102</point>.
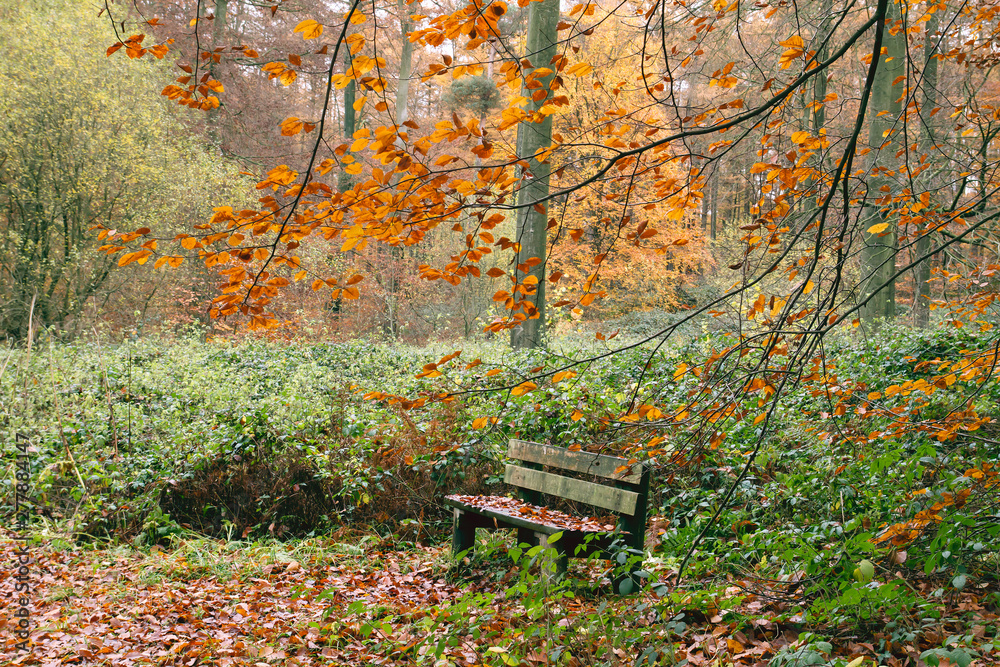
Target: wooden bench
<point>621,488</point>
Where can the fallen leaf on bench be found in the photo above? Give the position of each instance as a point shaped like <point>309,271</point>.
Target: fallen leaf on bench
<point>542,515</point>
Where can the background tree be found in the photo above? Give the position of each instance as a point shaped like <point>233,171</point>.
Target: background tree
<point>533,137</point>
<point>70,160</point>
<point>725,99</point>
<point>880,236</point>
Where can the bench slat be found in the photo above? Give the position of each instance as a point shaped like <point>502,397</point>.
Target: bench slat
<point>598,495</point>
<point>600,465</point>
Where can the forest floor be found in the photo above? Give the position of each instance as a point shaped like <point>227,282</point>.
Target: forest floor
<point>362,600</point>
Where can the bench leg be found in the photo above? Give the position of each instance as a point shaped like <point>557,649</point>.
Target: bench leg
<point>526,536</point>
<point>463,533</point>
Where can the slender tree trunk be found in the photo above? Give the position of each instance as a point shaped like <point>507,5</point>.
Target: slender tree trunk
<point>350,115</point>
<point>532,218</point>
<point>814,118</point>
<point>922,272</point>
<point>405,59</point>
<point>822,53</point>
<point>880,248</point>
<point>396,254</point>
<point>714,192</point>
<point>705,205</point>
<point>218,34</point>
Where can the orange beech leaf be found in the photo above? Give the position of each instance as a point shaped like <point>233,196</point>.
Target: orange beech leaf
<point>523,388</point>
<point>309,28</point>
<point>563,375</point>
<point>291,126</point>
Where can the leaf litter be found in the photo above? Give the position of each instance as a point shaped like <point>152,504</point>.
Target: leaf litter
<point>549,517</point>
<point>264,607</point>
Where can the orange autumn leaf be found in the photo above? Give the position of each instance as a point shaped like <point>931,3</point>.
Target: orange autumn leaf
<point>309,28</point>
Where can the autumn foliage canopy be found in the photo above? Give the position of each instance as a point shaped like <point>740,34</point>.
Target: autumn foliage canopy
<point>826,165</point>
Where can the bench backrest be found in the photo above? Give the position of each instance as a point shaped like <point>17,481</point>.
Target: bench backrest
<point>624,492</point>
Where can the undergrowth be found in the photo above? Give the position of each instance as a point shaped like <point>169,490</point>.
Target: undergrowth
<point>150,442</point>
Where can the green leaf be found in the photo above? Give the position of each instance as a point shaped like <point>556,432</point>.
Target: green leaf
<point>961,657</point>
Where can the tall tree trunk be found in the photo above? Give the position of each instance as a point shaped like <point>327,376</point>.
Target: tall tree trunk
<point>705,205</point>
<point>922,272</point>
<point>350,115</point>
<point>543,17</point>
<point>405,59</point>
<point>879,251</point>
<point>218,34</point>
<point>396,254</point>
<point>814,118</point>
<point>822,53</point>
<point>714,193</point>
